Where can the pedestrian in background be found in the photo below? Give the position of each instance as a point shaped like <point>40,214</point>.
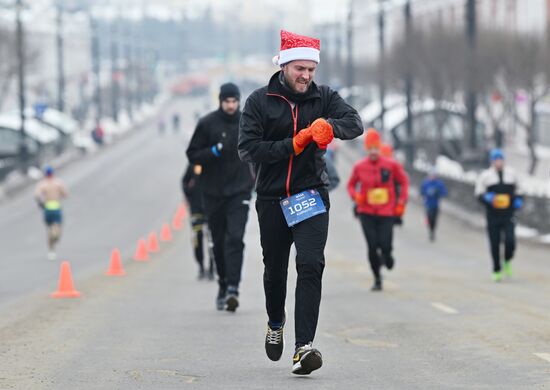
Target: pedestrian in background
<point>372,186</point>
<point>48,194</point>
<point>227,185</point>
<point>432,190</point>
<point>176,122</point>
<point>192,188</point>
<point>498,189</point>
<point>285,129</point>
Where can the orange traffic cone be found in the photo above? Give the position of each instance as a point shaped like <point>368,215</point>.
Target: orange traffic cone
<point>65,288</point>
<point>182,212</point>
<point>115,268</point>
<point>141,251</point>
<point>153,243</point>
<point>177,222</point>
<point>165,233</point>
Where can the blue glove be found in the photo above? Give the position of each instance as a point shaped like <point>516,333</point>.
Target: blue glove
<point>518,203</point>
<point>216,149</point>
<point>489,197</point>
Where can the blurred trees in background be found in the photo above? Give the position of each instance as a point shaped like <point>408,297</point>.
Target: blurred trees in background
<point>510,73</point>
<point>8,62</point>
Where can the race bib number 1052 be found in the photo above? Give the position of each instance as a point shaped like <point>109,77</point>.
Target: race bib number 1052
<point>302,206</point>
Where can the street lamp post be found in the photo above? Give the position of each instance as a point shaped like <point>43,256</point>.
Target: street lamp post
<point>96,67</point>
<point>23,151</point>
<point>351,70</point>
<point>60,59</point>
<point>382,73</point>
<point>128,69</point>
<point>471,98</point>
<point>114,70</point>
<point>410,150</point>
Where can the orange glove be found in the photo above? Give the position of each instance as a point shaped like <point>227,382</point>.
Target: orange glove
<point>301,140</point>
<point>399,210</point>
<point>322,132</point>
<point>359,199</point>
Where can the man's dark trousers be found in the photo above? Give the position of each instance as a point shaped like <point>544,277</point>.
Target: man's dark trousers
<point>227,217</point>
<point>309,238</point>
<point>378,231</point>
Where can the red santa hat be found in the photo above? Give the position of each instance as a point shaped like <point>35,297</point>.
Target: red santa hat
<point>297,47</point>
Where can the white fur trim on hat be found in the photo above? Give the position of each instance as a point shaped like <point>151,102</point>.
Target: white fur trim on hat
<point>298,53</point>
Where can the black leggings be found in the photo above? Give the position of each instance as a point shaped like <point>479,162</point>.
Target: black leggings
<point>496,228</point>
<point>378,232</point>
<point>431,215</point>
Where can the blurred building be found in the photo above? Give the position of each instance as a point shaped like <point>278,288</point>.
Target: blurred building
<point>40,39</point>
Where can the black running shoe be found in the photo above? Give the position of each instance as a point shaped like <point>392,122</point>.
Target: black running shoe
<point>274,342</point>
<point>202,274</point>
<point>232,299</point>
<point>388,261</point>
<point>377,286</point>
<point>220,299</point>
<point>306,360</point>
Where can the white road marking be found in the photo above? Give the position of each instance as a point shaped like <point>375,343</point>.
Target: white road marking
<point>444,308</point>
<point>543,356</point>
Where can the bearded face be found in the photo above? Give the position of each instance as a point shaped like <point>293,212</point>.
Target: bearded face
<point>299,74</point>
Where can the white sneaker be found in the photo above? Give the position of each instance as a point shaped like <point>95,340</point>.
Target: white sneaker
<point>52,256</point>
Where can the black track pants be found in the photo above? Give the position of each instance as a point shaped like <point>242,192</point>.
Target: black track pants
<point>227,217</point>
<point>309,238</point>
<point>496,228</point>
<point>378,232</point>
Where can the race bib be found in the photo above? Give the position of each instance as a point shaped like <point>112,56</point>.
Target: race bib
<point>302,206</point>
<point>378,196</point>
<point>501,201</point>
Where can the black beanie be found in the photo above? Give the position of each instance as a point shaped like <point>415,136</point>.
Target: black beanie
<point>229,90</point>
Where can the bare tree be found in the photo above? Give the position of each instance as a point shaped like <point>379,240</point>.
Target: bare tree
<point>527,68</point>
<point>489,80</point>
<point>436,58</point>
<point>9,63</point>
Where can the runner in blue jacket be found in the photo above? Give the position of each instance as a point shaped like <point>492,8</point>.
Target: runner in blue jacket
<point>432,190</point>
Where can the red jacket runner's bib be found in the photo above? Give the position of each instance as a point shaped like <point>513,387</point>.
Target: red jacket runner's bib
<point>376,182</point>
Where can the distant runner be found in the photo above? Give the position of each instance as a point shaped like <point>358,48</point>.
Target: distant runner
<point>372,186</point>
<point>48,193</point>
<point>498,189</point>
<point>432,190</point>
<point>192,188</point>
<point>227,186</point>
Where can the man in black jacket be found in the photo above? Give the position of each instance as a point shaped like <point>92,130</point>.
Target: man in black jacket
<point>284,130</point>
<point>227,183</point>
<point>498,189</point>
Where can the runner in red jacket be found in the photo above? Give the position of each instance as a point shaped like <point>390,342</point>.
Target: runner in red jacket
<point>372,187</point>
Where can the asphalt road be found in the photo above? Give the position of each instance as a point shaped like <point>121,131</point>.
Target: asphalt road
<point>440,323</point>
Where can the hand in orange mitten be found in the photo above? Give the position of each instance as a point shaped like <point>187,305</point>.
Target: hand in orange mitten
<point>322,132</point>
<point>359,198</point>
<point>301,140</point>
<point>399,210</point>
